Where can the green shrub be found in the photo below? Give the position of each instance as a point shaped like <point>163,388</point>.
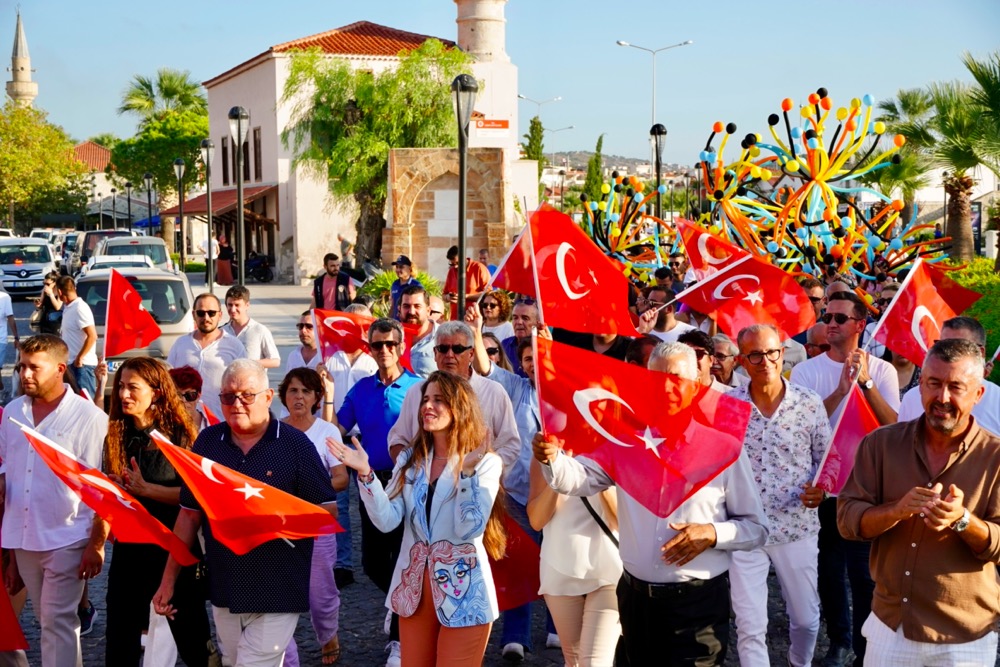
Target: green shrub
<point>980,277</point>
<point>380,289</point>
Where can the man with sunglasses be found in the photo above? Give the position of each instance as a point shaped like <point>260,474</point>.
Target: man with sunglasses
<point>831,375</point>
<point>306,355</point>
<point>704,351</point>
<point>882,303</point>
<point>208,349</point>
<point>665,326</point>
<point>816,343</point>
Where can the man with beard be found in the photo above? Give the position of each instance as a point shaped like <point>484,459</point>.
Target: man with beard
<point>666,327</point>
<point>307,355</point>
<point>332,290</point>
<point>923,492</point>
<point>524,318</point>
<point>413,309</point>
<point>208,349</point>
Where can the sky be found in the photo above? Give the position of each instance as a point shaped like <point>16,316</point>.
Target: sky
<point>746,57</point>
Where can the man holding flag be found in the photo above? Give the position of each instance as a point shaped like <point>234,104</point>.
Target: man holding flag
<point>57,541</point>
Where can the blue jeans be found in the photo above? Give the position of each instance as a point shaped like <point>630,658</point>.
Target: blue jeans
<point>344,558</point>
<point>85,379</point>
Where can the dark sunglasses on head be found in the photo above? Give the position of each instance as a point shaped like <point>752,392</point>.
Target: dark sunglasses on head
<point>206,313</point>
<point>303,325</point>
<point>455,349</point>
<point>839,318</point>
<point>379,344</point>
<point>190,396</point>
<point>823,347</point>
<point>492,350</point>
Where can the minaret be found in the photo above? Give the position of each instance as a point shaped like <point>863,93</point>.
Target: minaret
<point>482,29</point>
<point>21,88</point>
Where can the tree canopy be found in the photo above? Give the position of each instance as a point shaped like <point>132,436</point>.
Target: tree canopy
<point>155,147</point>
<point>170,90</point>
<point>534,148</point>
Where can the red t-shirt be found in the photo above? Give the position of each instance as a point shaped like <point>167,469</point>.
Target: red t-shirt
<point>477,277</point>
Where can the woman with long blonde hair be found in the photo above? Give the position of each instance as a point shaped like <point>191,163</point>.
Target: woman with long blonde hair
<point>444,490</point>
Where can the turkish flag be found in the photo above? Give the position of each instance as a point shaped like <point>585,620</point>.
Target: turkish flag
<point>913,320</point>
<point>11,635</point>
<point>707,253</point>
<point>209,415</point>
<point>128,325</point>
<point>750,291</point>
<point>515,576</point>
<point>660,437</point>
<point>855,422</point>
<point>578,287</point>
<point>242,511</point>
<point>337,331</point>
<point>130,521</point>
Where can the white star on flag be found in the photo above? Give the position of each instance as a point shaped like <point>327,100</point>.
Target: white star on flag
<point>651,441</point>
<point>250,491</point>
<point>754,297</point>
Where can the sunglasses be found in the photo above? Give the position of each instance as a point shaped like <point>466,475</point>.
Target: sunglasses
<point>673,263</point>
<point>490,305</point>
<point>380,344</point>
<point>190,396</point>
<point>526,300</point>
<point>229,398</point>
<point>207,313</point>
<point>700,352</point>
<point>884,302</point>
<point>757,358</point>
<point>492,350</point>
<point>437,312</point>
<point>816,299</point>
<point>455,349</point>
<point>823,347</point>
<point>839,318</point>
<point>303,325</point>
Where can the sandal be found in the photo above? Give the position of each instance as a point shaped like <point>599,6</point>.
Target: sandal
<point>331,651</point>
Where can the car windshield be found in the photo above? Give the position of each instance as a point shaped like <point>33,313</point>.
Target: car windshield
<point>71,242</point>
<point>93,238</point>
<point>154,251</point>
<point>118,265</point>
<point>164,299</point>
<point>25,254</point>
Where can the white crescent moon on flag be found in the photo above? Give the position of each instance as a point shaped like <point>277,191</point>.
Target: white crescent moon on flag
<point>583,398</point>
<point>206,467</point>
<point>919,313</point>
<point>561,253</point>
<point>102,483</point>
<point>717,294</point>
<point>328,322</point>
<point>706,256</point>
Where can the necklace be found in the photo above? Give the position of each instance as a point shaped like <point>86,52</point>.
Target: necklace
<point>441,458</point>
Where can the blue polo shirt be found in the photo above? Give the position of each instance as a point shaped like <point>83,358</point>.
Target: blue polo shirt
<point>374,407</point>
<point>274,577</point>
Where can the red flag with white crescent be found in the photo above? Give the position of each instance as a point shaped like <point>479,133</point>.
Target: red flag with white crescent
<point>706,252</point>
<point>337,331</point>
<point>128,324</point>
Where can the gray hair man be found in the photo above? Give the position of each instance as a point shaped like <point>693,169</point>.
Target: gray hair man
<point>725,362</point>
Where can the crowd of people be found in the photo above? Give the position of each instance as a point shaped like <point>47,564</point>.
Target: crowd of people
<point>446,450</point>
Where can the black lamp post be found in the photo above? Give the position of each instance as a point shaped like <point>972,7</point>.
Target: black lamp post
<point>687,194</point>
<point>562,190</point>
<point>147,180</point>
<point>239,122</point>
<point>128,193</point>
<point>464,87</point>
<point>114,208</point>
<point>658,134</point>
<point>179,171</point>
<point>207,154</point>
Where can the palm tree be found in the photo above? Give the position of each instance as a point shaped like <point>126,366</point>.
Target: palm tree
<point>986,95</point>
<point>904,179</point>
<point>907,114</point>
<point>171,90</point>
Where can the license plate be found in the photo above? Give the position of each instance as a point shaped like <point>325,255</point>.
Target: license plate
<point>26,284</point>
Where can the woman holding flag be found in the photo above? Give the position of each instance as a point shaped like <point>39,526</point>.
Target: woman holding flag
<point>144,398</point>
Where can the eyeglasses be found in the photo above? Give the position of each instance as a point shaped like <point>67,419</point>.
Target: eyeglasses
<point>884,301</point>
<point>722,357</point>
<point>839,318</point>
<point>492,350</point>
<point>229,398</point>
<point>652,304</point>
<point>455,349</point>
<point>816,299</point>
<point>206,313</point>
<point>823,347</point>
<point>437,312</point>
<point>757,358</point>
<point>303,325</point>
<point>490,305</point>
<point>673,263</point>
<point>379,344</point>
<point>190,396</point>
<point>700,352</point>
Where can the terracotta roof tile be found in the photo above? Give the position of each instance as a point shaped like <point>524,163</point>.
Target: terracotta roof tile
<point>363,39</point>
<point>96,157</point>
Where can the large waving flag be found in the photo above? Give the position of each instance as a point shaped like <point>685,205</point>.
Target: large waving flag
<point>576,285</point>
<point>515,576</point>
<point>749,291</point>
<point>855,422</point>
<point>337,331</point>
<point>244,512</point>
<point>913,320</point>
<point>128,325</point>
<point>130,521</point>
<point>660,437</point>
<point>707,253</point>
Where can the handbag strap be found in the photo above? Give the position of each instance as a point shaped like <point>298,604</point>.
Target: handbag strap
<point>599,520</point>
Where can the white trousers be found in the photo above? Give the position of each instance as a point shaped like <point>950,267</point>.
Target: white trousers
<point>55,588</point>
<point>889,648</point>
<point>795,565</point>
<point>254,640</point>
<point>588,626</point>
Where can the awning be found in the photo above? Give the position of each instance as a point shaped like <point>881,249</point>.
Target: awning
<point>223,201</point>
<point>145,222</point>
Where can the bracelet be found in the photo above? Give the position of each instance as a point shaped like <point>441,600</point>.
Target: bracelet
<point>367,479</point>
<point>327,402</point>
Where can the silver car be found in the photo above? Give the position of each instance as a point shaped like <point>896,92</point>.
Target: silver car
<point>24,263</point>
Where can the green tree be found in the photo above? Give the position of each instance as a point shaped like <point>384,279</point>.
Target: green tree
<point>986,96</point>
<point>344,122</point>
<point>534,149</point>
<point>170,90</point>
<point>595,172</point>
<point>67,198</point>
<point>106,139</point>
<point>907,114</point>
<point>36,156</point>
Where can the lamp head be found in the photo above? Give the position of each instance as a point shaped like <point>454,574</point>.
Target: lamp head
<point>147,180</point>
<point>464,88</point>
<point>179,168</point>
<point>239,122</point>
<point>207,152</point>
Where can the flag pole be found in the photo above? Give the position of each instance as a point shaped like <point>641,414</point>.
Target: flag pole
<point>319,343</point>
<point>107,314</point>
<point>534,270</point>
<point>538,385</point>
<point>892,304</point>
<point>994,357</point>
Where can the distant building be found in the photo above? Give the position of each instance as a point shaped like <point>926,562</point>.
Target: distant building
<point>21,88</point>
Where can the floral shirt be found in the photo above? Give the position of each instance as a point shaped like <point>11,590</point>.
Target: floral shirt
<point>785,452</point>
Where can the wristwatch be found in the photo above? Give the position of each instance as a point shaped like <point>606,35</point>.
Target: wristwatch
<point>867,385</point>
<point>962,523</point>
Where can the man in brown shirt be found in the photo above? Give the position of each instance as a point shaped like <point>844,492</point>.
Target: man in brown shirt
<point>925,493</point>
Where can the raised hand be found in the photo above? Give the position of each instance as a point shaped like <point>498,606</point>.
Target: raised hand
<point>355,458</point>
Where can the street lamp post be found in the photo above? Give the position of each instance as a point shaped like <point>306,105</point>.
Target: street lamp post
<point>147,180</point>
<point>562,191</point>
<point>687,194</point>
<point>128,193</point>
<point>114,208</point>
<point>464,88</point>
<point>538,103</point>
<point>207,153</point>
<point>239,122</point>
<point>558,129</point>
<point>658,134</point>
<point>653,52</point>
<point>100,210</point>
<point>179,171</point>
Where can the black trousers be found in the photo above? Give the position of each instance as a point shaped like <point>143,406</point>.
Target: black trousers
<point>684,624</point>
<point>134,576</point>
<point>380,551</point>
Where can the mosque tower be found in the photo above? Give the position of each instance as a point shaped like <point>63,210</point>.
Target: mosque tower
<point>21,88</point>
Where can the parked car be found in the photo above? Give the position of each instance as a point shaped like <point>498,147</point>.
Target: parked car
<point>151,246</point>
<point>119,262</point>
<point>7,234</point>
<point>87,242</point>
<point>24,264</point>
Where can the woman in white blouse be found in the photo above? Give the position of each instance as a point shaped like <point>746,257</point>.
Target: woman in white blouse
<point>579,569</point>
<point>444,491</point>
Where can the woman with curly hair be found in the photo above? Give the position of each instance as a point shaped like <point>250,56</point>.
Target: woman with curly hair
<point>445,491</point>
<point>144,398</point>
<point>497,307</point>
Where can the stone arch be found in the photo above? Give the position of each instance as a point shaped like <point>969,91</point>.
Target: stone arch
<point>434,163</point>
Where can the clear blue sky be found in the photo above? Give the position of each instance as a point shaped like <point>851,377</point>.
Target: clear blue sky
<point>745,58</point>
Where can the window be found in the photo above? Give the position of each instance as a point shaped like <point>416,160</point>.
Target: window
<point>246,161</point>
<point>258,166</point>
<point>225,160</point>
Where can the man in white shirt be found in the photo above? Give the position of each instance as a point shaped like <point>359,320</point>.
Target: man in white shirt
<point>57,541</point>
<point>673,597</point>
<point>80,333</point>
<point>256,338</point>
<point>208,349</point>
<point>725,362</point>
<point>831,375</point>
<point>704,350</point>
<point>6,323</point>
<point>307,355</point>
<point>987,410</point>
<point>665,327</point>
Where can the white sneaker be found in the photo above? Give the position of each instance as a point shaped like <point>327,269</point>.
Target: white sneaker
<point>552,641</point>
<point>395,660</point>
<point>388,622</point>
<point>513,652</point>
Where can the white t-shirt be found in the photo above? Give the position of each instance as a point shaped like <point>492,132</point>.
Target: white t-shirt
<point>822,375</point>
<point>215,248</point>
<point>76,317</point>
<point>680,328</point>
<point>986,411</point>
<point>257,340</point>
<point>6,310</point>
<point>501,331</point>
<point>295,360</point>
<point>318,433</point>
